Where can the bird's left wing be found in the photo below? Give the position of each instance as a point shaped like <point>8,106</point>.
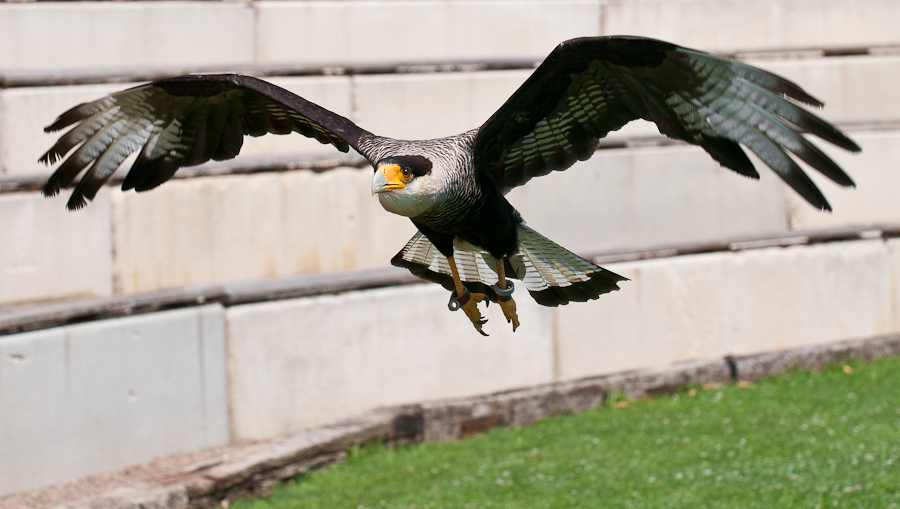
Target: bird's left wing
<point>178,122</point>
<point>590,86</point>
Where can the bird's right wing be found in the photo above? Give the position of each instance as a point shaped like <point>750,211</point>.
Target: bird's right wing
<point>588,87</point>
<point>178,122</point>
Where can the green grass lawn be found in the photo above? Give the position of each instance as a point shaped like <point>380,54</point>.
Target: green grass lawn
<point>828,439</point>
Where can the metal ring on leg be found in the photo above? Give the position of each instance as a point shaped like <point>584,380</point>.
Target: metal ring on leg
<point>504,294</point>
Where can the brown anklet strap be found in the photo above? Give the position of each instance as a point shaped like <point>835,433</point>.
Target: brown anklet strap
<point>458,302</point>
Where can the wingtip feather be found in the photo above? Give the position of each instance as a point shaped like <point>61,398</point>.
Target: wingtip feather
<point>50,190</point>
<point>49,158</point>
<point>76,202</point>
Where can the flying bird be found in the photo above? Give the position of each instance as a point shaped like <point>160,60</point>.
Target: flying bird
<point>470,239</point>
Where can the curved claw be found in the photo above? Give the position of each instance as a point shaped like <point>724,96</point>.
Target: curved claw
<point>468,302</point>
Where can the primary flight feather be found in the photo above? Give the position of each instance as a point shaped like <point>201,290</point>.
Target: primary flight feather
<point>470,239</point>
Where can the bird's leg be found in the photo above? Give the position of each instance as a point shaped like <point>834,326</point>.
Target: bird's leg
<point>465,300</point>
<point>504,291</point>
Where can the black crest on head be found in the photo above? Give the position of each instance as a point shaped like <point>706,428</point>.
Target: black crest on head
<point>419,165</point>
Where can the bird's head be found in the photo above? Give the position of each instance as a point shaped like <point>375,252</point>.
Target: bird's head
<point>402,184</point>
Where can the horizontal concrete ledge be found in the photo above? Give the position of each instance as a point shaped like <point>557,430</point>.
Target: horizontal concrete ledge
<point>56,77</point>
<point>783,239</point>
<point>42,316</point>
<point>244,165</point>
<point>797,53</point>
<point>458,418</point>
<point>255,468</point>
<point>753,367</point>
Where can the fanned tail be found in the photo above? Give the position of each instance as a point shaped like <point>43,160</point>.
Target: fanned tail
<point>552,274</point>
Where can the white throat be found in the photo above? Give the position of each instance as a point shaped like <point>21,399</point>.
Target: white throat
<point>405,203</point>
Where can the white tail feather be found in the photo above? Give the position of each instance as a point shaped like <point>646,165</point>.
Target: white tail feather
<point>539,262</point>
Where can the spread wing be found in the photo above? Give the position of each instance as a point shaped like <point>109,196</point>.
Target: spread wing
<point>178,122</point>
<point>588,87</point>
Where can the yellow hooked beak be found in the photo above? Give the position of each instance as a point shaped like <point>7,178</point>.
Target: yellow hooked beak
<point>389,177</point>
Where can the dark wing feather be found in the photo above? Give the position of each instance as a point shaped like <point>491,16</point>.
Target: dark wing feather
<point>588,87</point>
<point>177,122</point>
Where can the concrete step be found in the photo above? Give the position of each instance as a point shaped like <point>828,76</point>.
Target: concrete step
<point>241,227</point>
<point>434,104</point>
<point>115,391</point>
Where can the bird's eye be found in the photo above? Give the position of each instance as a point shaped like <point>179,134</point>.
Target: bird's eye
<point>406,174</point>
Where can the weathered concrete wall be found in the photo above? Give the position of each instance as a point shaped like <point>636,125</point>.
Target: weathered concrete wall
<point>877,175</point>
<point>65,35</point>
<point>361,31</point>
<point>243,227</point>
<point>41,259</point>
<point>300,363</point>
<point>305,362</point>
<point>646,196</point>
<point>853,88</point>
<point>98,396</point>
<point>720,304</point>
<point>230,228</point>
<point>428,105</point>
<point>111,392</point>
<point>103,34</point>
<point>730,25</point>
<point>894,252</point>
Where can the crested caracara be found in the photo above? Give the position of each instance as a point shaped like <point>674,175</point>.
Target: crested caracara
<point>470,239</point>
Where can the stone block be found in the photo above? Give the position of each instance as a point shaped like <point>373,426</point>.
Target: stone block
<point>665,380</point>
<point>62,35</point>
<point>614,333</point>
<point>142,495</point>
<point>89,398</point>
<point>242,227</point>
<point>301,363</point>
<point>718,304</point>
<point>26,111</point>
<point>876,172</point>
<point>717,25</point>
<point>640,196</point>
<point>754,367</point>
<point>50,253</point>
<point>854,88</point>
<point>894,252</point>
<point>423,106</point>
<point>380,31</point>
<point>805,295</point>
<point>458,418</point>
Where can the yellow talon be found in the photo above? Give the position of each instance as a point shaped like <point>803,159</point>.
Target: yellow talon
<point>504,290</point>
<point>471,309</point>
<point>462,298</point>
<point>509,311</point>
